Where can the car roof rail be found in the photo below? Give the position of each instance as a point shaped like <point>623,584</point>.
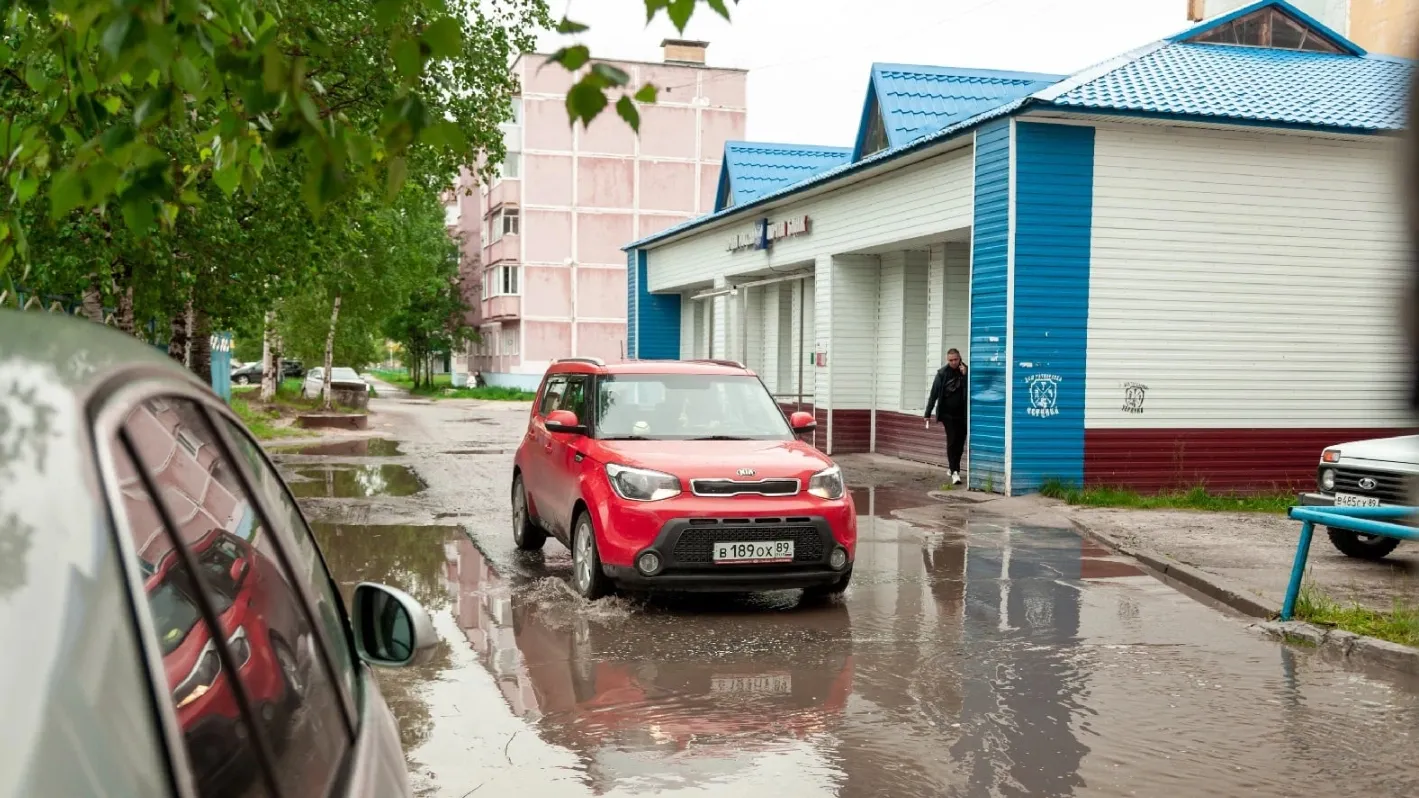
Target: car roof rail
<point>595,361</point>
<point>731,363</point>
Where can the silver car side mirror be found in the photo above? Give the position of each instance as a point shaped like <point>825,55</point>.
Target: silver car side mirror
<point>392,629</point>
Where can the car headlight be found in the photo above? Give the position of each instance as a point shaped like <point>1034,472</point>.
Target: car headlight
<point>1327,479</point>
<point>200,679</point>
<point>827,484</point>
<point>1330,456</point>
<point>239,646</point>
<point>640,485</point>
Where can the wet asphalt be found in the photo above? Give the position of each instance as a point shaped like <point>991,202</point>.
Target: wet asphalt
<point>973,656</point>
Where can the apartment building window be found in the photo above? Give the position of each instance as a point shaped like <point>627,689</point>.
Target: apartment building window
<point>511,167</point>
<point>503,223</point>
<point>516,111</point>
<point>509,344</point>
<point>501,281</point>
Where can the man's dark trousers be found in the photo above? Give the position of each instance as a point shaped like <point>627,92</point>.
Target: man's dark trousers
<point>955,439</point>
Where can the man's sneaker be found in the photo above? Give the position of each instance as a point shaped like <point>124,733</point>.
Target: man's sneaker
<point>955,477</point>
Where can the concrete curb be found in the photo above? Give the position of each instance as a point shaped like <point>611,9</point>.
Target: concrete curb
<point>1345,645</point>
<point>1211,585</point>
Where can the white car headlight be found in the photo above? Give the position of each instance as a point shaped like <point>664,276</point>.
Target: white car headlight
<point>827,484</point>
<point>641,485</point>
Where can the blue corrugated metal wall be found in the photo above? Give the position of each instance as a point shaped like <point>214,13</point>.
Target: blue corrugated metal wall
<point>653,328</point>
<point>1054,205</point>
<point>632,310</point>
<point>989,294</point>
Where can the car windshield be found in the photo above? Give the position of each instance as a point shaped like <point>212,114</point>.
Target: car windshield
<point>174,610</point>
<point>345,374</point>
<point>687,407</point>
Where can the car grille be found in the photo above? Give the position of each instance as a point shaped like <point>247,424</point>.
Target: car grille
<point>1389,488</point>
<point>696,544</point>
<point>730,487</point>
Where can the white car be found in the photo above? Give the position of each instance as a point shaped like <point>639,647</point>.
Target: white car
<point>340,377</point>
<point>1369,473</point>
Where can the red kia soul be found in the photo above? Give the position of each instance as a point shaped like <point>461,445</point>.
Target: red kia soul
<point>679,475</point>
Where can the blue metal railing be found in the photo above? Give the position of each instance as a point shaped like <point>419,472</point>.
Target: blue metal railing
<point>1365,520</point>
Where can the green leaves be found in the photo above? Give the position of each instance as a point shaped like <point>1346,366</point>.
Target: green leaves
<point>585,102</point>
<point>627,111</point>
<point>444,37</point>
<point>567,27</point>
<point>571,58</point>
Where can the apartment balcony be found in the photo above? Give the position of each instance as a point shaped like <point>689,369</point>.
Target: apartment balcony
<point>502,308</point>
<point>507,248</point>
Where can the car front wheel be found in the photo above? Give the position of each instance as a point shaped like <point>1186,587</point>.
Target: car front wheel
<point>242,380</point>
<point>525,531</point>
<point>1360,546</point>
<point>587,579</point>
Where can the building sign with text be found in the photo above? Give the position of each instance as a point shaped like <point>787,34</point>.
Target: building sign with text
<point>765,233</point>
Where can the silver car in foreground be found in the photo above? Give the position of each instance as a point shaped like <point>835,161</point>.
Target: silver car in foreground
<point>171,628</point>
<point>1368,473</point>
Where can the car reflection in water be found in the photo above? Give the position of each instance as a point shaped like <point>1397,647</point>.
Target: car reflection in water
<point>624,690</point>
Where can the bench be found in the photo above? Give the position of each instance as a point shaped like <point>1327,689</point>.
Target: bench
<point>1364,520</point>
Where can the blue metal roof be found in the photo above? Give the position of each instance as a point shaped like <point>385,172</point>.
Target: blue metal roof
<point>916,101</point>
<point>1344,92</point>
<point>752,169</point>
<point>1251,84</point>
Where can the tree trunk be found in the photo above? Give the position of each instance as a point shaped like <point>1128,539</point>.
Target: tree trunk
<point>177,337</point>
<point>270,376</point>
<point>330,351</point>
<point>199,346</point>
<point>92,302</point>
<point>123,289</point>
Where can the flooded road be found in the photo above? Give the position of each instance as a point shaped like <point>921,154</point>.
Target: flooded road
<point>972,656</point>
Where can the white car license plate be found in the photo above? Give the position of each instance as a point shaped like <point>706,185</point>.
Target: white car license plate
<point>753,551</point>
<point>1351,500</point>
<point>781,683</point>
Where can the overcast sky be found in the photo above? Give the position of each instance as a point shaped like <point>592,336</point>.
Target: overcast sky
<point>809,59</point>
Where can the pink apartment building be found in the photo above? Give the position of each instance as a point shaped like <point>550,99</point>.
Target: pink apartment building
<point>551,227</point>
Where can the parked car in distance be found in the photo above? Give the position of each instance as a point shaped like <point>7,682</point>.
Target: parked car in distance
<point>250,373</point>
<point>188,637</point>
<point>340,377</point>
<point>687,475</point>
<point>1368,473</point>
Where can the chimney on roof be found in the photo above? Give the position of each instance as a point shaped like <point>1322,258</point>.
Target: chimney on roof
<point>684,51</point>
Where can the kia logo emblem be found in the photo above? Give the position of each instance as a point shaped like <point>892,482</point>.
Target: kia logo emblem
<point>1367,484</point>
<point>749,472</point>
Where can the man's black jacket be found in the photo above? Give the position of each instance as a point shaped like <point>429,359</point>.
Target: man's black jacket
<point>948,394</point>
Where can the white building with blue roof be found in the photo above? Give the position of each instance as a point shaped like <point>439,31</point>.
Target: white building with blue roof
<point>1178,267</point>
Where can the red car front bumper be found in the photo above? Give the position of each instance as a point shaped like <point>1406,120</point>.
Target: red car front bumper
<point>683,531</point>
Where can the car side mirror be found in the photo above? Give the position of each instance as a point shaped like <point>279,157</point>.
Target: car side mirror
<point>802,423</point>
<point>564,421</point>
<point>239,569</point>
<point>392,629</point>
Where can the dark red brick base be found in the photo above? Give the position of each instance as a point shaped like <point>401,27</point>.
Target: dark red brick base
<point>1218,459</point>
<point>907,437</point>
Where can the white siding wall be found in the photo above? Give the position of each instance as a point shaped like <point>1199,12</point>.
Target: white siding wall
<point>1248,280</point>
<point>923,199</point>
<point>688,326</point>
<point>957,327</point>
<point>753,328</point>
<point>770,344</point>
<point>824,278</point>
<point>852,357</point>
<point>891,301</point>
<point>916,339</point>
<point>803,316</point>
<point>935,308</point>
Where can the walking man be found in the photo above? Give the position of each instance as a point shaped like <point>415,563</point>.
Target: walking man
<point>948,399</point>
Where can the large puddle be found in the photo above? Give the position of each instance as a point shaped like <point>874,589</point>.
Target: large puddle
<point>983,659</point>
<point>346,481</point>
<point>363,447</point>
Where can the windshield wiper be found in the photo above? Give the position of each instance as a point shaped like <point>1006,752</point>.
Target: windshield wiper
<point>722,438</point>
<point>625,438</point>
